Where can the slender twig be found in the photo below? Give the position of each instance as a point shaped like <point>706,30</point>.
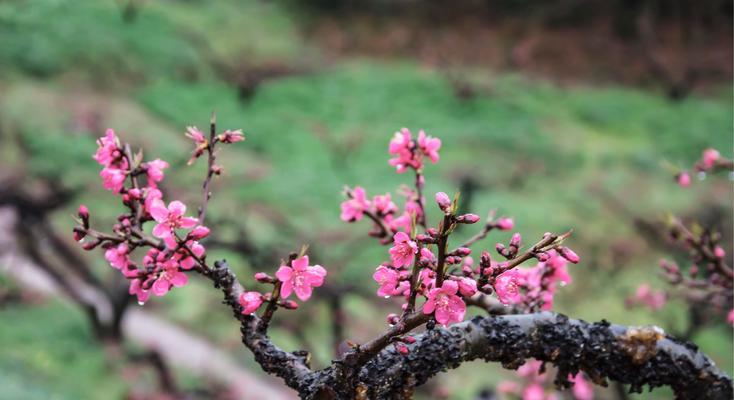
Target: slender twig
<point>211,159</point>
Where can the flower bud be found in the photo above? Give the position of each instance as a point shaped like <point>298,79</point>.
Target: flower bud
<point>462,251</point>
<point>505,224</point>
<point>500,248</point>
<point>409,339</point>
<point>402,349</point>
<point>199,232</point>
<point>568,254</point>
<point>79,234</point>
<point>432,231</point>
<point>683,179</point>
<point>542,256</point>
<point>135,193</point>
<point>262,277</point>
<point>290,305</point>
<point>719,252</point>
<point>468,219</point>
<point>91,245</point>
<point>393,319</point>
<point>84,215</point>
<point>424,238</point>
<point>515,240</point>
<point>444,202</point>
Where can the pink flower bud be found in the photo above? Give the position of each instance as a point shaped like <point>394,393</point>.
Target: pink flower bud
<point>262,277</point>
<point>432,231</point>
<point>393,319</point>
<point>199,232</point>
<point>569,254</point>
<point>463,251</point>
<point>505,224</point>
<point>515,240</point>
<point>709,158</point>
<point>719,252</point>
<point>135,193</point>
<point>468,219</point>
<point>542,256</point>
<point>683,179</point>
<point>424,238</point>
<point>91,245</point>
<point>444,202</point>
<point>79,234</point>
<point>409,339</point>
<point>485,259</point>
<point>83,212</point>
<point>290,305</point>
<point>402,349</point>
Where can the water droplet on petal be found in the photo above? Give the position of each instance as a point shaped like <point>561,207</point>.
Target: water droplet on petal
<point>141,303</point>
<point>387,297</point>
<point>563,283</point>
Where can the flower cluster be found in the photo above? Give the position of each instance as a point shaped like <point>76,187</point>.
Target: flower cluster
<point>711,161</point>
<point>421,265</point>
<point>174,249</point>
<point>535,385</point>
<point>647,297</point>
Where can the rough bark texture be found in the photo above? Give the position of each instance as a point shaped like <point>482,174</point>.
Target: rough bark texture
<point>634,356</point>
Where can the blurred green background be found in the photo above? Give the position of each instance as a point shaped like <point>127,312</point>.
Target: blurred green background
<point>581,140</point>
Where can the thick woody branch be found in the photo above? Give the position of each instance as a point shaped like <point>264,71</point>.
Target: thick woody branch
<point>634,356</point>
<point>291,367</point>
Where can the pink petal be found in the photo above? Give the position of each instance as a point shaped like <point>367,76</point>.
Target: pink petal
<point>300,264</point>
<point>284,273</point>
<point>188,222</point>
<point>161,287</point>
<point>162,230</point>
<point>179,279</point>
<point>177,208</point>
<point>442,316</point>
<point>286,289</point>
<point>158,210</point>
<point>303,292</point>
<point>429,307</point>
<point>449,287</point>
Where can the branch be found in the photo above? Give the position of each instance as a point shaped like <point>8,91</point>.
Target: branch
<point>291,367</point>
<point>631,356</point>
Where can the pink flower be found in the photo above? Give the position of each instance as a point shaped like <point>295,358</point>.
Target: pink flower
<point>505,224</point>
<point>151,195</point>
<point>388,279</point>
<point>445,303</point>
<point>196,135</point>
<point>730,317</point>
<point>136,288</point>
<point>429,146</point>
<point>403,222</point>
<point>467,286</point>
<point>169,276</point>
<point>250,302</point>
<point>427,256</point>
<point>118,256</point>
<point>113,178</point>
<point>719,252</point>
<point>534,391</point>
<point>354,208</point>
<point>107,151</point>
<point>506,287</point>
<point>444,202</point>
<point>684,179</point>
<point>384,205</point>
<point>530,369</point>
<point>401,147</point>
<point>169,219</point>
<point>709,158</point>
<point>186,261</point>
<point>300,278</point>
<point>403,252</point>
<point>231,136</point>
<point>582,389</point>
<point>155,170</point>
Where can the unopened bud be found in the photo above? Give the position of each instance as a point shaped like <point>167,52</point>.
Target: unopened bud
<point>468,219</point>
<point>569,254</point>
<point>542,256</point>
<point>424,238</point>
<point>393,319</point>
<point>262,277</point>
<point>719,252</point>
<point>462,251</point>
<point>444,202</point>
<point>84,215</point>
<point>505,224</point>
<point>432,231</point>
<point>500,248</point>
<point>290,305</point>
<point>91,245</point>
<point>402,349</point>
<point>515,240</point>
<point>199,232</point>
<point>135,193</point>
<point>79,234</point>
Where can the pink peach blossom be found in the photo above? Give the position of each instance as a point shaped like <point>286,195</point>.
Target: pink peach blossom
<point>118,256</point>
<point>250,302</point>
<point>136,288</point>
<point>229,136</point>
<point>683,179</point>
<point>108,150</point>
<point>403,252</point>
<point>467,286</point>
<point>505,224</point>
<point>388,280</point>
<point>709,158</point>
<point>170,219</point>
<point>155,171</point>
<point>429,146</point>
<point>354,208</point>
<point>506,287</point>
<point>169,276</point>
<point>384,205</point>
<point>300,278</point>
<point>445,304</point>
<point>113,178</point>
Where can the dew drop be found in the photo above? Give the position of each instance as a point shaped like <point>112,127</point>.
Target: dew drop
<point>141,303</point>
<point>387,297</point>
<point>563,283</point>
